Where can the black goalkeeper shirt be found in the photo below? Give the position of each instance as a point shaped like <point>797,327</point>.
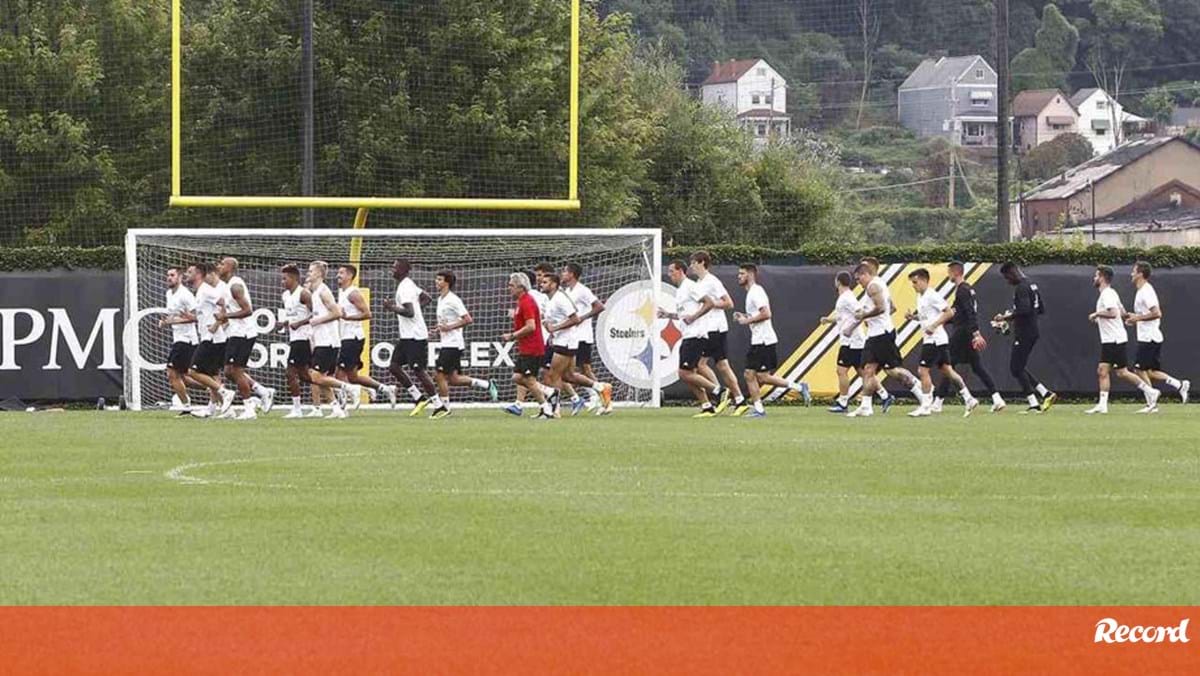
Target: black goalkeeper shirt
<point>966,309</point>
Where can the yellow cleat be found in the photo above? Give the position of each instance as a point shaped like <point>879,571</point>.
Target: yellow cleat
<point>725,401</point>
<point>440,413</point>
<point>419,408</point>
<point>741,410</point>
<point>1049,401</point>
<point>706,414</point>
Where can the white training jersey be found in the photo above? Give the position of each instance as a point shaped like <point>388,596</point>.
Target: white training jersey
<point>559,308</point>
<point>294,310</point>
<point>411,328</point>
<point>930,306</point>
<point>244,327</point>
<point>1146,300</point>
<point>180,301</point>
<point>761,333</point>
<point>716,320</point>
<point>583,299</point>
<point>879,324</point>
<point>326,334</point>
<point>450,309</point>
<point>208,300</point>
<point>850,330</point>
<point>1112,331</point>
<point>688,299</point>
<point>350,329</point>
<point>541,299</point>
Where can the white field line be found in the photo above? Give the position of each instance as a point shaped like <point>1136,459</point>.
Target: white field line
<point>183,475</point>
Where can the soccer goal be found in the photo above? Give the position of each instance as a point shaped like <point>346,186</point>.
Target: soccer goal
<point>622,267</point>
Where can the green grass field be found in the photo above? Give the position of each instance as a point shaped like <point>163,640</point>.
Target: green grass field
<point>646,507</point>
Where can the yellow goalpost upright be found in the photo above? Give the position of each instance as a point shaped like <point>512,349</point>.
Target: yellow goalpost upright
<point>180,199</point>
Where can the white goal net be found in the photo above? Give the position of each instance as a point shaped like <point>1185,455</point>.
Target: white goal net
<point>620,266</point>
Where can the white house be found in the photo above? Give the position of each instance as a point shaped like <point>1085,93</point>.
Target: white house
<point>754,92</point>
<point>1097,110</point>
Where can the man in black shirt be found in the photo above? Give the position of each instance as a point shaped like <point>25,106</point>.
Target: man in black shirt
<point>964,337</point>
<point>1023,316</point>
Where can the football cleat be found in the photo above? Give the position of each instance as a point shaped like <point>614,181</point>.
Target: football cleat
<point>861,412</point>
<point>294,413</point>
<point>226,400</point>
<point>1049,401</point>
<point>390,391</point>
<point>315,413</point>
<point>838,408</point>
<point>999,406</point>
<point>419,406</point>
<point>706,413</point>
<point>971,405</point>
<point>726,400</point>
<point>920,412</point>
<point>806,393</point>
<point>757,414</point>
<point>740,410</point>
<point>440,413</point>
<point>514,409</point>
<point>493,393</point>
<point>1184,388</point>
<point>886,404</point>
<point>268,399</point>
<point>1032,409</point>
<point>1097,409</point>
<point>577,405</point>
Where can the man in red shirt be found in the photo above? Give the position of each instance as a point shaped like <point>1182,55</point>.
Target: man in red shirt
<point>527,332</point>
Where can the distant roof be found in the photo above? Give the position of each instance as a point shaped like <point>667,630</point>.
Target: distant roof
<point>1032,102</point>
<point>1083,95</point>
<point>1097,169</point>
<point>729,71</point>
<point>763,113</point>
<point>940,72</point>
<point>1154,221</point>
<point>1182,117</point>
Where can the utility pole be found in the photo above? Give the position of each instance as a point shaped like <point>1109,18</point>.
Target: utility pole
<point>1002,135</point>
<point>952,179</point>
<point>306,102</point>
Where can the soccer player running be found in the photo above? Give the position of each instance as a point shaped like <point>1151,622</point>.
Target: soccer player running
<point>210,353</point>
<point>1023,317</point>
<point>762,357</point>
<point>181,317</point>
<point>587,305</point>
<point>690,299</point>
<point>297,312</point>
<point>560,321</point>
<point>527,333</point>
<point>326,341</point>
<point>452,317</point>
<point>1114,339</point>
<point>535,282</point>
<point>964,338</point>
<point>716,348</point>
<point>412,350</point>
<point>850,337</point>
<point>880,352</point>
<point>1147,317</point>
<point>355,311</point>
<point>242,332</point>
<point>933,312</point>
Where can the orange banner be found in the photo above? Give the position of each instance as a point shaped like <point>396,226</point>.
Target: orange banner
<point>607,640</point>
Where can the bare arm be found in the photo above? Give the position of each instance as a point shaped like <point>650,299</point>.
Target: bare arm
<point>596,309</point>
<point>529,328</point>
<point>705,307</point>
<point>239,294</point>
<point>466,320</point>
<point>335,312</point>
<point>761,316</point>
<point>876,294</point>
<point>360,304</point>
<point>573,320</point>
<point>1148,316</point>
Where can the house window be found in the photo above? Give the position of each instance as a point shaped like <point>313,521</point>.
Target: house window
<point>1101,105</point>
<point>762,72</point>
<point>770,100</point>
<point>978,73</point>
<point>760,130</point>
<point>979,103</point>
<point>755,99</point>
<point>1101,132</point>
<point>974,130</point>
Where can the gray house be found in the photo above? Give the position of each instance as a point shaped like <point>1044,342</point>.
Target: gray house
<point>951,97</point>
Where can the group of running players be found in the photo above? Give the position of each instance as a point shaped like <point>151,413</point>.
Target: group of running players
<point>213,335</point>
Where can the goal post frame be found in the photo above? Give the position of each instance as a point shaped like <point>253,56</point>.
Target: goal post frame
<point>131,335</point>
<point>179,199</point>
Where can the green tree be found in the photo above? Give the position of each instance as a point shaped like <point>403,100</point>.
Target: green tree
<point>1159,105</point>
<point>1055,156</point>
<point>1046,64</point>
<point>1119,40</point>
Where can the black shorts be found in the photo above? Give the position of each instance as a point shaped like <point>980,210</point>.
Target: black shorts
<point>1115,355</point>
<point>411,353</point>
<point>547,356</point>
<point>583,354</point>
<point>934,356</point>
<point>1149,357</point>
<point>324,359</point>
<point>449,360</point>
<point>960,346</point>
<point>690,351</point>
<point>882,351</point>
<point>237,351</point>
<point>563,350</point>
<point>762,358</point>
<point>527,365</point>
<point>299,354</point>
<point>208,358</point>
<point>350,354</point>
<point>180,359</point>
<point>849,357</point>
<point>716,347</point>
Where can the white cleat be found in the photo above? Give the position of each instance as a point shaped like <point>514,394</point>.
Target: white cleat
<point>935,407</point>
<point>228,415</point>
<point>315,413</point>
<point>1097,410</point>
<point>268,399</point>
<point>226,401</point>
<point>999,406</point>
<point>339,413</point>
<point>1147,410</point>
<point>354,397</point>
<point>248,414</point>
<point>1184,388</point>
<point>860,412</point>
<point>972,404</point>
<point>920,412</point>
<point>1152,400</point>
<point>201,413</point>
<point>294,413</point>
<point>390,391</point>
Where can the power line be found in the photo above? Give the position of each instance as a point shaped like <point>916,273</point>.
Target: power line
<point>899,185</point>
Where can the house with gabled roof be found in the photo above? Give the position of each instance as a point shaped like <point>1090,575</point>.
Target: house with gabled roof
<point>754,93</point>
<point>952,98</point>
<point>1042,115</point>
<point>1098,111</point>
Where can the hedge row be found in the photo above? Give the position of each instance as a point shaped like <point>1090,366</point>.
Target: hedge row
<point>1025,253</point>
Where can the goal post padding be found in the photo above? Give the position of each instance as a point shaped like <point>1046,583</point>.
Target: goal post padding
<point>620,266</point>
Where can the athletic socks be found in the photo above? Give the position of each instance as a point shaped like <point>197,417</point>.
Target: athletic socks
<point>884,395</point>
<point>1174,383</point>
<point>843,400</point>
<point>867,405</point>
<point>1041,389</point>
<point>740,401</point>
<point>598,387</point>
<point>796,387</point>
<point>414,392</point>
<point>436,401</point>
<point>480,384</point>
<point>296,403</point>
<point>259,390</point>
<point>918,391</point>
<point>1104,399</point>
<point>758,406</point>
<point>1033,401</point>
<point>997,399</point>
